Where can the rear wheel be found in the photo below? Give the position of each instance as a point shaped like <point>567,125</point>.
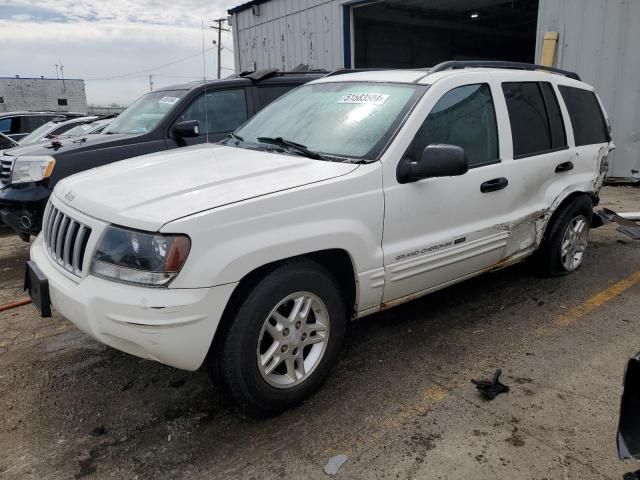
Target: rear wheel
<point>283,339</point>
<point>563,247</point>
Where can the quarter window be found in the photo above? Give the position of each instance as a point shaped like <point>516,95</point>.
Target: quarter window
<point>536,121</point>
<point>225,111</point>
<point>266,95</point>
<point>464,117</point>
<point>588,122</point>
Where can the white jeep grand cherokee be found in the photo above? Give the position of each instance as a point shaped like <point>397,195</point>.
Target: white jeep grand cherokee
<point>349,195</point>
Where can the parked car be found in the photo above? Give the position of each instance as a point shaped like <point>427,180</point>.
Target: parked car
<point>17,125</point>
<point>89,127</point>
<point>347,196</point>
<point>6,142</point>
<point>53,129</point>
<point>160,120</point>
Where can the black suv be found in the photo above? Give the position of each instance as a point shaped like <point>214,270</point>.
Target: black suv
<point>163,119</point>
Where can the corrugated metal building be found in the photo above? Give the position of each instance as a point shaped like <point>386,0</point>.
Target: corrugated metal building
<point>21,93</point>
<point>599,39</point>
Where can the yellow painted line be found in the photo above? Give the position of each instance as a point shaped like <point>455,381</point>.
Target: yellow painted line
<point>593,303</point>
<point>428,398</point>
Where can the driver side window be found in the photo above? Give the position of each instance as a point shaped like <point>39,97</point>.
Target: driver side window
<point>225,111</point>
<point>464,117</point>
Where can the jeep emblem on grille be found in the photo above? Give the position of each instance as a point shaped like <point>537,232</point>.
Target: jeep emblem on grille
<point>69,196</point>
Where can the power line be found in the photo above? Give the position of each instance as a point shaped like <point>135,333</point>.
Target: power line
<point>131,74</point>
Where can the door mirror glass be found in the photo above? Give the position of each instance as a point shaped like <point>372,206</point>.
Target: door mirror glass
<point>186,129</point>
<point>437,160</point>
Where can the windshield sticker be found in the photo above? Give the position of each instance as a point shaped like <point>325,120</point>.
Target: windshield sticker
<point>364,98</point>
<point>168,100</point>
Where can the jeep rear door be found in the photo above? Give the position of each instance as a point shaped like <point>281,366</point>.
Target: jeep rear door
<point>439,230</point>
<point>541,165</point>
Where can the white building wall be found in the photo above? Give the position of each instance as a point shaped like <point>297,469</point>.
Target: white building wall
<point>42,94</point>
<point>288,33</point>
<point>600,40</point>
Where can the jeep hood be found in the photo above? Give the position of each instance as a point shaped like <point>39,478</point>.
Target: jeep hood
<point>149,191</point>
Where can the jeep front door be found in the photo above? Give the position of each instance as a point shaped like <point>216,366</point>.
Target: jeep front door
<point>441,229</point>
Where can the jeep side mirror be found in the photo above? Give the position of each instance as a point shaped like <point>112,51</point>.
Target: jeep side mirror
<point>437,160</point>
<point>186,129</point>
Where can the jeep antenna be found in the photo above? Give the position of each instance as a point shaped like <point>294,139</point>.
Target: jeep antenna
<point>204,79</point>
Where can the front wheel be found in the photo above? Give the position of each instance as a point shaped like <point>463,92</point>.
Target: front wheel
<point>283,339</point>
<point>563,247</point>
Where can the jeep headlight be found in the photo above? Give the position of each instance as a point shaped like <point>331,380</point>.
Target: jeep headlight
<point>32,169</point>
<point>141,258</point>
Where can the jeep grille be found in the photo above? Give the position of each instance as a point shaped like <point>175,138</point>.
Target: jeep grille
<point>65,239</point>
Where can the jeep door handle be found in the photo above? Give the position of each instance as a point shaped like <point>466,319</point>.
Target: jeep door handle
<point>564,167</point>
<point>494,185</point>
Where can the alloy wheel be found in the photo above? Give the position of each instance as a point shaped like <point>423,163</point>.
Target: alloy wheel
<point>574,242</point>
<point>293,340</point>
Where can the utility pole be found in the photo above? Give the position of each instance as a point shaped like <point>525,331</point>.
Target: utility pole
<point>219,28</point>
<point>150,83</point>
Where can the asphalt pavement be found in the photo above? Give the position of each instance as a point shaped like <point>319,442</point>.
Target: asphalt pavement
<point>399,404</point>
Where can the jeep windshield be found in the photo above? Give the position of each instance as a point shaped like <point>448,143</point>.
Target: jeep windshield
<point>145,113</point>
<point>348,120</point>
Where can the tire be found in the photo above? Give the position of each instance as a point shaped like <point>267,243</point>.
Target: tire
<point>240,364</point>
<point>551,259</point>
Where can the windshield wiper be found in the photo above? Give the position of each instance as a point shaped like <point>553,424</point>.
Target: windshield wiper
<point>235,137</point>
<point>282,142</point>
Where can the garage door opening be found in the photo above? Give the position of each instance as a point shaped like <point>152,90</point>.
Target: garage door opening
<point>422,33</point>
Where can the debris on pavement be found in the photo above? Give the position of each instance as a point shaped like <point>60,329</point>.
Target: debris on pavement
<point>489,389</point>
<point>16,304</point>
<point>633,232</point>
<point>606,215</point>
<point>630,215</point>
<point>626,221</point>
<point>334,464</point>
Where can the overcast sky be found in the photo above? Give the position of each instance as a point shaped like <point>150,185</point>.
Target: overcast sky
<point>114,45</point>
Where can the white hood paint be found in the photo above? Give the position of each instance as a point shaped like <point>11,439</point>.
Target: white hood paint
<point>149,191</point>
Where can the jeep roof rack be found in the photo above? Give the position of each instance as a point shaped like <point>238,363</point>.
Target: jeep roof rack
<point>456,64</point>
<point>342,71</point>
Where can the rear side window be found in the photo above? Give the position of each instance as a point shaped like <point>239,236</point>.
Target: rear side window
<point>266,95</point>
<point>465,117</point>
<point>588,122</point>
<point>536,121</point>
